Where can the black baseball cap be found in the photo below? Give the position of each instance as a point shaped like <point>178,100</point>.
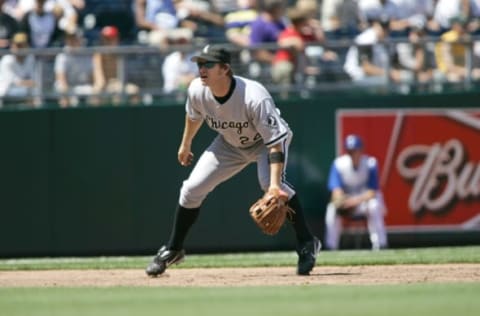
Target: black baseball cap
<point>215,53</point>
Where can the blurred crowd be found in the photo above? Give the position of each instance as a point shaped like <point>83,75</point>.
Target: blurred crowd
<point>366,42</point>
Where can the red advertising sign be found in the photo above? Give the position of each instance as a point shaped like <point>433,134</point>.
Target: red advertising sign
<point>429,164</point>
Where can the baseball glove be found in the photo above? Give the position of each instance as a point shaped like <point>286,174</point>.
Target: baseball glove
<point>270,211</point>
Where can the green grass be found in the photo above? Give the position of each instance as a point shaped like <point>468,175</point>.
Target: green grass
<point>362,257</point>
<point>401,300</point>
<point>326,300</point>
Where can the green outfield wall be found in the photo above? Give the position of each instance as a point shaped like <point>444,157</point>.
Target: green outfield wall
<point>105,181</point>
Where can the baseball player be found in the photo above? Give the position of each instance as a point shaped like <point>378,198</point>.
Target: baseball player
<point>353,181</point>
<point>250,129</point>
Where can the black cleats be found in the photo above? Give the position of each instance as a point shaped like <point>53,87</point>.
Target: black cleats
<point>163,260</point>
<point>307,255</point>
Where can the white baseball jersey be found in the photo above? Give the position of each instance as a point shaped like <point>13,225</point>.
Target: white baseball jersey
<point>354,181</point>
<point>247,123</point>
<point>247,117</point>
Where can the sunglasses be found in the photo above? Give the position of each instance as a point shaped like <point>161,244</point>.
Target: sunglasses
<point>207,64</point>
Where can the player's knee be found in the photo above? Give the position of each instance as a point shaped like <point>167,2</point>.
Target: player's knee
<point>190,196</point>
<point>373,207</point>
<point>330,214</point>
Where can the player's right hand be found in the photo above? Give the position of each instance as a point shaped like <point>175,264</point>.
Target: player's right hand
<point>351,202</point>
<point>185,157</point>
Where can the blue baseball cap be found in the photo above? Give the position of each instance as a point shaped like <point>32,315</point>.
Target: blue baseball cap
<point>353,142</point>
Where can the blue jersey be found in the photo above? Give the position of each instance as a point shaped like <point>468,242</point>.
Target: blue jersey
<point>353,181</point>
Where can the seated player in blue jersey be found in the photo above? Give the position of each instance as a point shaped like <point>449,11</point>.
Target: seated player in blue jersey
<point>353,182</point>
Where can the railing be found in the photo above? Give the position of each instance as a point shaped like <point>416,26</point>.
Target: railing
<point>142,66</point>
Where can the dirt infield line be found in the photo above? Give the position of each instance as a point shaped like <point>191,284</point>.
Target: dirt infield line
<point>388,274</point>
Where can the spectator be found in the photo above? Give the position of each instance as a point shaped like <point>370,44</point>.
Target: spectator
<point>66,13</point>
<point>64,10</point>
<point>77,14</point>
<point>323,64</point>
<point>78,5</point>
<point>73,71</point>
<point>401,14</point>
<point>368,61</point>
<point>8,27</point>
<point>99,13</point>
<point>177,69</point>
<point>342,19</point>
<point>311,9</point>
<point>41,26</point>
<point>405,14</point>
<point>416,56</point>
<point>446,10</point>
<point>12,8</point>
<point>203,18</point>
<point>17,70</point>
<point>474,17</point>
<point>353,182</point>
<point>237,23</point>
<point>106,71</point>
<point>374,10</point>
<point>450,52</point>
<point>474,28</point>
<point>290,58</point>
<point>226,6</point>
<point>266,28</point>
<point>156,17</point>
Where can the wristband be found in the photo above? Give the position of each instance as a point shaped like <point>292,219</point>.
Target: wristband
<point>276,157</point>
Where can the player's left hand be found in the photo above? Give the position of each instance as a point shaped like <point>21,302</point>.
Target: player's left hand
<point>278,192</point>
<point>351,202</point>
<point>270,211</point>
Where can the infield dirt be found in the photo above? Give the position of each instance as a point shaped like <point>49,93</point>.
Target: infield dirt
<point>388,274</point>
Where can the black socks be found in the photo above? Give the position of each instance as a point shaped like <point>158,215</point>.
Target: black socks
<point>298,220</point>
<point>184,219</point>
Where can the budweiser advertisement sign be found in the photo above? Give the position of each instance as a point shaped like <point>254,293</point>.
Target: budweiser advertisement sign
<point>429,164</point>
